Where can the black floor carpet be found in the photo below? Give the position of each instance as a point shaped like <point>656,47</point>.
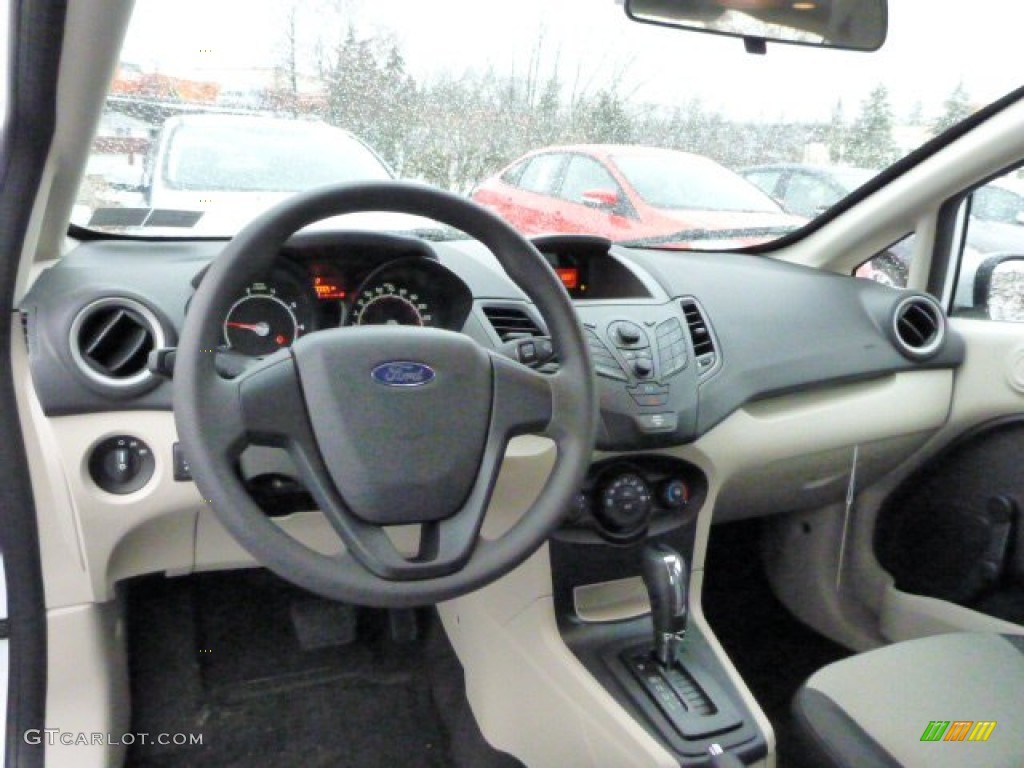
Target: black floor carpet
<point>773,651</point>
<point>270,676</point>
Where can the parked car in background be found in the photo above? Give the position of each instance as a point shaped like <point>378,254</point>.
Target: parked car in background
<point>219,170</point>
<point>637,194</point>
<point>997,214</point>
<point>806,190</point>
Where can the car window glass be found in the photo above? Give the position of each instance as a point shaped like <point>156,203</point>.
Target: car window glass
<point>541,175</point>
<point>808,196</point>
<point>993,232</point>
<point>585,174</point>
<point>766,181</point>
<point>270,158</point>
<point>677,180</point>
<point>994,204</point>
<point>890,267</point>
<point>513,174</point>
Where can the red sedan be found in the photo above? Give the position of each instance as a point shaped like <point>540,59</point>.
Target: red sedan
<point>640,195</point>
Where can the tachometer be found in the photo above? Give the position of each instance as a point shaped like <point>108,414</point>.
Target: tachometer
<point>388,303</point>
<point>260,323</point>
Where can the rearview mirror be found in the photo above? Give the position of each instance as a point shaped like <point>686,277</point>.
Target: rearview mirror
<point>856,25</point>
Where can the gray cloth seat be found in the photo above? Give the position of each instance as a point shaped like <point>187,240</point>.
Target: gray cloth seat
<point>876,709</point>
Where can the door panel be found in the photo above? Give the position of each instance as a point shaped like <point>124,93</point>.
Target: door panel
<point>954,531</point>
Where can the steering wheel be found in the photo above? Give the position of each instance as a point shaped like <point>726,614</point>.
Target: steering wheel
<point>387,425</point>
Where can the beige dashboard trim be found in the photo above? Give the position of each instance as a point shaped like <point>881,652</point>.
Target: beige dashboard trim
<point>531,697</point>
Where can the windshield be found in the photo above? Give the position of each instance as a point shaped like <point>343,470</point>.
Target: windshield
<point>534,109</point>
<point>673,180</point>
<point>249,156</point>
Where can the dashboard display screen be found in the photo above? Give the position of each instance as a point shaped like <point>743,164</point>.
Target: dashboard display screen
<point>570,277</point>
<point>327,289</point>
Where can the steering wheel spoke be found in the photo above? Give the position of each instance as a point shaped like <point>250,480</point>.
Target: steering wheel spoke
<point>270,398</point>
<point>523,398</point>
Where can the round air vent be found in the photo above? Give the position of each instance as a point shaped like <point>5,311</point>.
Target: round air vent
<point>111,340</point>
<point>919,326</point>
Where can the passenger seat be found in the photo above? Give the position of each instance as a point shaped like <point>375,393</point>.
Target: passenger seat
<point>947,701</point>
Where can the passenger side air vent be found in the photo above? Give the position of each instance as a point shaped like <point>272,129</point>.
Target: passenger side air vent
<point>700,335</point>
<point>510,323</point>
<point>919,326</point>
<point>111,340</point>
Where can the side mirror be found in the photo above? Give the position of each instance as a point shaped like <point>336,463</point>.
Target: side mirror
<point>999,287</point>
<point>603,199</point>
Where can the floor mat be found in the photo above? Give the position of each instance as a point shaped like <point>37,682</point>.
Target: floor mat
<point>773,651</point>
<point>218,655</point>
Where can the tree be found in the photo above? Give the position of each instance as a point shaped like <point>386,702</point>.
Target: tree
<point>370,94</point>
<point>955,108</point>
<point>604,118</point>
<point>871,143</point>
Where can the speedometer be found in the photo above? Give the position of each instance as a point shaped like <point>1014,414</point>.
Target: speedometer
<point>389,303</point>
<point>270,315</point>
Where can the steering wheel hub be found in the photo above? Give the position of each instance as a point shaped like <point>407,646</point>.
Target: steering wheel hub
<point>405,450</point>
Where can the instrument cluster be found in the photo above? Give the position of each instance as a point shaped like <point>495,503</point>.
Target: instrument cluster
<point>304,296</point>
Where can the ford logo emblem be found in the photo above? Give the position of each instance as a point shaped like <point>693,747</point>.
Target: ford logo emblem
<point>403,373</point>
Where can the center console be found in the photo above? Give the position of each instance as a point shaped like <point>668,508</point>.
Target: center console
<point>620,576</point>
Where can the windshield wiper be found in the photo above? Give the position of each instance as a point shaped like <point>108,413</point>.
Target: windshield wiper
<point>683,237</point>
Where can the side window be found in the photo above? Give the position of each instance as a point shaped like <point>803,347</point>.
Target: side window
<point>766,181</point>
<point>541,175</point>
<point>990,280</point>
<point>808,196</point>
<point>891,266</point>
<point>991,203</point>
<point>513,174</point>
<point>585,174</point>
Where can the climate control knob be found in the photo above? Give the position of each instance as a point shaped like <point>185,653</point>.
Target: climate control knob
<point>674,494</point>
<point>624,507</point>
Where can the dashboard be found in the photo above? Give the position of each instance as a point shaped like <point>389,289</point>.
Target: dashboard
<point>678,341</point>
<point>716,373</point>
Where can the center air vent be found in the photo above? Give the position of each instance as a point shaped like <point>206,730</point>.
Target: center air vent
<point>919,326</point>
<point>510,323</point>
<point>700,335</point>
<point>111,340</point>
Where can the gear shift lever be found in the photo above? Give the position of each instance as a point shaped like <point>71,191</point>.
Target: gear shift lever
<point>666,576</point>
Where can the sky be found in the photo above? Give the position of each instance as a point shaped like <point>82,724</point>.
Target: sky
<point>930,49</point>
